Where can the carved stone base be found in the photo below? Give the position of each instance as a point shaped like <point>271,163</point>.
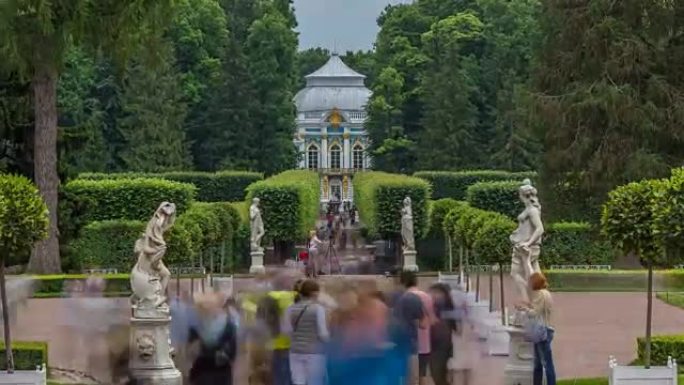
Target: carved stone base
<point>410,260</point>
<point>518,370</point>
<point>257,266</point>
<point>150,348</point>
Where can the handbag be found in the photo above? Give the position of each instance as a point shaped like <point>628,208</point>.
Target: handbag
<point>535,330</point>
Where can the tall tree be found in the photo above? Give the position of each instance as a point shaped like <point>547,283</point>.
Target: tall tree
<point>362,62</point>
<point>450,94</point>
<point>271,49</point>
<point>308,61</point>
<point>34,35</point>
<point>609,95</point>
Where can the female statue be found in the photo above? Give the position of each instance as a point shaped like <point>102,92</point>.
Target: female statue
<point>256,225</point>
<point>407,226</point>
<point>150,277</point>
<point>526,240</point>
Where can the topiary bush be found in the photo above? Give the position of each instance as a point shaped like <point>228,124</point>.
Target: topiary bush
<point>132,199</point>
<point>501,197</point>
<point>438,211</point>
<point>379,198</point>
<point>454,184</point>
<point>662,347</point>
<point>289,204</point>
<point>575,243</point>
<point>27,355</point>
<point>222,186</point>
<point>106,244</point>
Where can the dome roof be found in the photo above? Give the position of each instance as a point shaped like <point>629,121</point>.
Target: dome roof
<point>334,85</point>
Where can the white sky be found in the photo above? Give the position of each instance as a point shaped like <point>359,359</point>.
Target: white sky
<point>339,24</point>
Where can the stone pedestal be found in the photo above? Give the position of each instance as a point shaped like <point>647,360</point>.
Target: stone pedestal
<point>518,370</point>
<point>410,260</point>
<point>150,348</point>
<point>257,266</point>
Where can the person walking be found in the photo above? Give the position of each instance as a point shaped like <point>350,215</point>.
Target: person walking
<point>540,309</point>
<point>425,325</point>
<point>408,317</point>
<point>313,264</point>
<point>305,322</point>
<point>441,333</point>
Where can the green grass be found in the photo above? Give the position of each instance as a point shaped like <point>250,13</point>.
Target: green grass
<point>672,298</point>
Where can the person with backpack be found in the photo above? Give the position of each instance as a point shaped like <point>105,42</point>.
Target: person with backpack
<point>306,323</point>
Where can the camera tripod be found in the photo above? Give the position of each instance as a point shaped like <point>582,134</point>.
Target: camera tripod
<point>331,257</point>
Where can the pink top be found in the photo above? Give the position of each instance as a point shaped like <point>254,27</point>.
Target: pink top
<point>426,322</point>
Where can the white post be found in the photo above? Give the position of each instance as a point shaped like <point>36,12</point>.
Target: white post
<point>324,152</point>
<point>346,154</point>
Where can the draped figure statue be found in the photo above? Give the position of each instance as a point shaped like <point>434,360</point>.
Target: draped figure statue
<point>526,240</point>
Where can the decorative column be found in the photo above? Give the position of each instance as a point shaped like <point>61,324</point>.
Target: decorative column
<point>301,146</point>
<point>324,151</point>
<point>346,154</point>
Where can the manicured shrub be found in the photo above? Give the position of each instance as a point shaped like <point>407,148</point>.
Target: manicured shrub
<point>572,243</point>
<point>454,184</point>
<point>133,199</point>
<point>106,244</point>
<point>501,197</point>
<point>289,203</point>
<point>222,186</point>
<point>438,211</point>
<point>27,355</point>
<point>668,214</point>
<point>379,197</point>
<point>661,348</point>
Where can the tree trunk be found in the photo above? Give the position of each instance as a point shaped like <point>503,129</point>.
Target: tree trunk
<point>467,270</point>
<point>649,317</point>
<point>477,279</point>
<point>45,257</point>
<point>5,316</point>
<point>491,290</point>
<point>502,296</point>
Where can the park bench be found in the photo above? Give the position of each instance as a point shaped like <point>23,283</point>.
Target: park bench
<point>638,375</point>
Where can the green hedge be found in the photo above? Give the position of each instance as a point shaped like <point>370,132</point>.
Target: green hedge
<point>204,229</point>
<point>222,186</point>
<point>438,211</point>
<point>454,184</point>
<point>289,204</point>
<point>501,197</point>
<point>27,355</point>
<point>51,286</point>
<point>132,199</point>
<point>661,348</point>
<point>379,198</point>
<point>571,243</point>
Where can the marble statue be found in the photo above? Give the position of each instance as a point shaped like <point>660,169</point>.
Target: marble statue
<point>150,277</point>
<point>526,240</point>
<point>407,226</point>
<point>256,226</point>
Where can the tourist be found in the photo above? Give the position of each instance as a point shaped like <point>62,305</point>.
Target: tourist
<point>217,339</point>
<point>441,332</point>
<point>424,345</point>
<point>408,317</point>
<point>540,309</point>
<point>305,321</point>
<point>313,263</point>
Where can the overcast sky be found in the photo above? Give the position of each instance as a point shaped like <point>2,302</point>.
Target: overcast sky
<point>341,24</point>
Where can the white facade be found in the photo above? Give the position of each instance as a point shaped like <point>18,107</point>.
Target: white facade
<point>330,134</point>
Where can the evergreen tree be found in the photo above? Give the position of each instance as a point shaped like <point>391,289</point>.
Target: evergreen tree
<point>152,120</point>
<point>608,96</point>
<point>271,49</point>
<point>34,36</point>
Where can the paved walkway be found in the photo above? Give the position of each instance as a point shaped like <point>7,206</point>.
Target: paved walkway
<point>590,327</point>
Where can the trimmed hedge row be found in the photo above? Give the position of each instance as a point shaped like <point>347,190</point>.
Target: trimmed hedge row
<point>27,355</point>
<point>202,228</point>
<point>132,199</point>
<point>222,186</point>
<point>454,184</point>
<point>501,197</point>
<point>379,198</point>
<point>437,212</point>
<point>289,203</point>
<point>661,348</point>
<point>572,243</point>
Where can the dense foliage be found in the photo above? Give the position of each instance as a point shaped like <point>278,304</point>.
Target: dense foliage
<point>28,355</point>
<point>454,184</point>
<point>438,211</point>
<point>501,197</point>
<point>662,347</point>
<point>572,243</point>
<point>222,186</point>
<point>379,197</point>
<point>289,204</point>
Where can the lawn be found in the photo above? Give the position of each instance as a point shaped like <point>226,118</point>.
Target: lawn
<point>672,298</point>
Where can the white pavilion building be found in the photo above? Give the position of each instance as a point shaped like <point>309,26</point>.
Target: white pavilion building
<point>330,134</point>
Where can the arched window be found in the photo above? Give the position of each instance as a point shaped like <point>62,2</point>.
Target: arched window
<point>312,154</point>
<point>335,156</point>
<point>357,157</point>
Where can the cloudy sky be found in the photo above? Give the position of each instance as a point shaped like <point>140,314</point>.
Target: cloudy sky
<point>341,24</point>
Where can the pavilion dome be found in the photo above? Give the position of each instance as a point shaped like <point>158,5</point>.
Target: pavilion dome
<point>334,85</point>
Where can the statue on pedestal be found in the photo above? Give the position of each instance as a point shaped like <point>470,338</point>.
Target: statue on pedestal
<point>150,277</point>
<point>526,240</point>
<point>407,238</point>
<point>256,225</point>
